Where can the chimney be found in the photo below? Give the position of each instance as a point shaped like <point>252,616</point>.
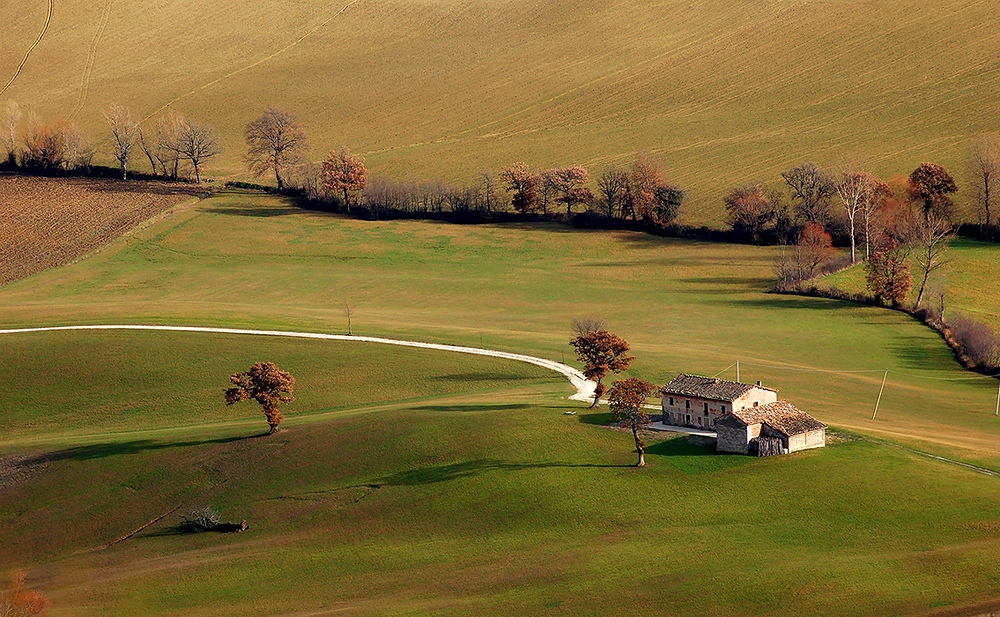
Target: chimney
<point>758,383</point>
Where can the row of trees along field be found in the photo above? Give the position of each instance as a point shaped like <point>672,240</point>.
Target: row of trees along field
<point>177,147</point>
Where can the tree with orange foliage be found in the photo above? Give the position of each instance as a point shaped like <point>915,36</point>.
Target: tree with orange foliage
<point>601,352</point>
<point>19,601</point>
<point>814,248</point>
<point>887,274</point>
<point>344,174</point>
<point>524,184</point>
<point>266,384</point>
<point>627,399</point>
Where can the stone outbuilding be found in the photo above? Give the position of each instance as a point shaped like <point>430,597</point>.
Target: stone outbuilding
<point>774,428</point>
<point>693,400</point>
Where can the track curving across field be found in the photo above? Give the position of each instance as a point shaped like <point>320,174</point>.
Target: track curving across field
<point>17,71</point>
<point>584,387</point>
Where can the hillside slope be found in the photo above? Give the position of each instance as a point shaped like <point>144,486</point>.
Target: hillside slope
<point>722,92</point>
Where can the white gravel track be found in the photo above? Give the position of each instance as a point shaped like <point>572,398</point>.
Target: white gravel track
<point>584,387</point>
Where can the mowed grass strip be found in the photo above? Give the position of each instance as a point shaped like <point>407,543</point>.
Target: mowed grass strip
<point>722,92</point>
<point>255,261</point>
<point>501,509</point>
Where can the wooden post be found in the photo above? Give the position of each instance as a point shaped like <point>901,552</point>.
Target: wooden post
<point>737,370</point>
<point>998,399</point>
<point>880,393</point>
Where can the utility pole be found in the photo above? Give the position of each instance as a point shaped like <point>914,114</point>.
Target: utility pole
<point>998,399</point>
<point>737,370</point>
<point>880,393</point>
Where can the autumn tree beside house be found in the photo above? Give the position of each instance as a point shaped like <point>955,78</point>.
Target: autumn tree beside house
<point>601,352</point>
<point>266,384</point>
<point>275,142</point>
<point>344,175</point>
<point>627,400</point>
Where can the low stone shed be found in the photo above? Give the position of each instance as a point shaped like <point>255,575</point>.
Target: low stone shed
<point>773,428</point>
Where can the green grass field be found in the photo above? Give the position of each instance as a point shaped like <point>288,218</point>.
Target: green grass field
<point>723,92</point>
<point>484,499</point>
<point>412,482</point>
<point>968,280</point>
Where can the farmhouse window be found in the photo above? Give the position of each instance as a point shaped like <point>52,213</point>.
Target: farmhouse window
<point>706,409</point>
<point>723,407</point>
<point>687,404</point>
<point>671,400</point>
<point>755,403</point>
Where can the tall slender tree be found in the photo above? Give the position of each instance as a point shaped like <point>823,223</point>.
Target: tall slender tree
<point>124,134</point>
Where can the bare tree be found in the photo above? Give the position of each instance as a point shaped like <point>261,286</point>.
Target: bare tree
<point>349,312</point>
<point>488,190</point>
<point>927,234</point>
<point>812,189</point>
<point>571,185</point>
<point>547,190</point>
<point>275,141</point>
<point>985,166</point>
<point>168,137</point>
<point>197,143</point>
<point>78,153</point>
<point>611,187</point>
<point>147,149</point>
<point>857,189</point>
<point>583,326</point>
<point>124,134</point>
<point>11,119</point>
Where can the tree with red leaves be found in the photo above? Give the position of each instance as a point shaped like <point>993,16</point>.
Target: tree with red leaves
<point>601,352</point>
<point>344,174</point>
<point>887,274</point>
<point>814,248</point>
<point>266,384</point>
<point>19,601</point>
<point>524,184</point>
<point>627,399</point>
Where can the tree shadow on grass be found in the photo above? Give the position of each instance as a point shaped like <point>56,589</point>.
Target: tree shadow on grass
<point>596,418</point>
<point>104,450</point>
<point>693,455</point>
<point>466,469</point>
<point>783,301</point>
<point>471,407</point>
<point>251,211</point>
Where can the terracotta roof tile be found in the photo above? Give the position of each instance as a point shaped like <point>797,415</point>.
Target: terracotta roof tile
<point>708,387</point>
<point>781,416</point>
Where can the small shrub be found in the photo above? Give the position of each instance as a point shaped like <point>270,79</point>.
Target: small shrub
<point>201,519</point>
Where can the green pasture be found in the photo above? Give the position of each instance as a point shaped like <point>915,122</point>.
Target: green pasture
<point>484,500</point>
<point>254,261</point>
<point>722,91</point>
<point>969,281</point>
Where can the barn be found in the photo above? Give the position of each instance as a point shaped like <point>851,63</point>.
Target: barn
<point>774,428</point>
<point>696,401</point>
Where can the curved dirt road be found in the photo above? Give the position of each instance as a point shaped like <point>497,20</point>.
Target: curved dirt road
<point>584,387</point>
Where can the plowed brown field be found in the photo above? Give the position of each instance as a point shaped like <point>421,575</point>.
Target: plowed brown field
<point>46,222</point>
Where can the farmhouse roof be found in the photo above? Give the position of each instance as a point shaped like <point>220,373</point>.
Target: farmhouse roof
<point>708,387</point>
<point>782,416</point>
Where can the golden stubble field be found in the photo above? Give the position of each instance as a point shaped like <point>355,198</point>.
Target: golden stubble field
<point>49,222</point>
<point>722,92</point>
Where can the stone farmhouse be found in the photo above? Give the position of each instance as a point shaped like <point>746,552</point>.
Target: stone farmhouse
<point>748,419</point>
<point>774,428</point>
<point>692,400</point>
